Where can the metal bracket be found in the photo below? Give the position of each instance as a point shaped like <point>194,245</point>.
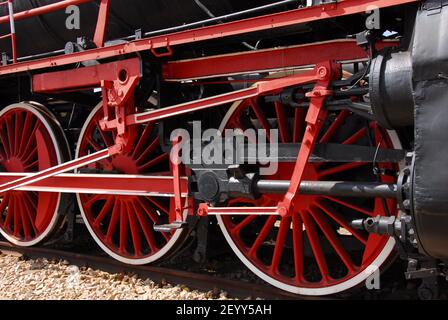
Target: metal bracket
<point>167,53</point>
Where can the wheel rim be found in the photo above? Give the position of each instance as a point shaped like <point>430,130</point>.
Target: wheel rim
<point>30,141</point>
<point>314,251</point>
<point>123,225</point>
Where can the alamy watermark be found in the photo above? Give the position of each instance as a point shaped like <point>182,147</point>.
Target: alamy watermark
<point>373,281</point>
<point>373,21</point>
<point>229,147</point>
<point>73,21</point>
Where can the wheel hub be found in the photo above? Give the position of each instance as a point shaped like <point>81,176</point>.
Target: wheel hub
<point>14,165</point>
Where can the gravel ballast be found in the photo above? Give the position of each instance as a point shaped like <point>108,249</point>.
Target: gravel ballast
<point>41,279</point>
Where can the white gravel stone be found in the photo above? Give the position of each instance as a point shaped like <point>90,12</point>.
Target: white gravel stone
<point>45,280</point>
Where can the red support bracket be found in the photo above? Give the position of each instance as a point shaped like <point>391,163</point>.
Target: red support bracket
<point>119,94</point>
<point>157,54</point>
<point>117,80</point>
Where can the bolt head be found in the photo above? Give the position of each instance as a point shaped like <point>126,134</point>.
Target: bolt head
<point>322,72</point>
<point>282,211</point>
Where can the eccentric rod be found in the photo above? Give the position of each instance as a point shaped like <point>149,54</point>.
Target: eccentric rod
<point>331,188</point>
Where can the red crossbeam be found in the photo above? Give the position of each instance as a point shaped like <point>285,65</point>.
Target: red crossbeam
<point>268,60</point>
<point>84,78</point>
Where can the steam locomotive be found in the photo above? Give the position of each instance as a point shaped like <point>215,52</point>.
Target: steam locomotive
<point>108,108</point>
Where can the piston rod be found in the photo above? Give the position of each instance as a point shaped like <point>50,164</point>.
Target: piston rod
<point>331,188</point>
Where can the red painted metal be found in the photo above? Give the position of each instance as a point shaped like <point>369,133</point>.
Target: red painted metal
<point>116,184</point>
<point>176,168</point>
<point>267,60</point>
<point>50,172</point>
<point>117,80</point>
<point>117,93</point>
<point>100,31</point>
<point>26,146</point>
<point>315,120</point>
<point>12,34</point>
<point>271,21</point>
<point>260,88</point>
<point>321,242</point>
<point>114,218</point>
<point>323,74</point>
<point>44,10</point>
<point>85,78</point>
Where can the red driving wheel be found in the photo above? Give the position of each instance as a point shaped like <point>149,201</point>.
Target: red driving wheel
<point>30,141</point>
<point>314,251</point>
<point>122,225</point>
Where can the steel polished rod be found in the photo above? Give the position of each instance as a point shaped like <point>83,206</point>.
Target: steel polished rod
<point>331,188</point>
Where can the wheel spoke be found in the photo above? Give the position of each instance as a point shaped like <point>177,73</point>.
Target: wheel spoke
<point>154,162</point>
<point>104,211</point>
<point>333,239</point>
<point>9,213</point>
<point>143,140</point>
<point>147,228</point>
<point>25,220</point>
<point>11,136</point>
<point>3,205</point>
<point>30,208</point>
<point>28,129</point>
<point>113,222</point>
<point>237,229</point>
<point>351,206</point>
<point>159,205</point>
<point>261,117</point>
<point>282,122</point>
<point>299,124</point>
<point>135,230</point>
<point>285,226</point>
<point>341,221</point>
<point>5,143</point>
<point>93,144</point>
<point>18,132</point>
<point>334,127</point>
<point>356,136</point>
<point>269,224</point>
<point>149,211</point>
<point>30,142</point>
<point>149,151</point>
<point>298,246</point>
<point>32,156</point>
<point>17,218</point>
<point>316,247</point>
<point>93,199</point>
<point>124,228</point>
<point>340,168</point>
